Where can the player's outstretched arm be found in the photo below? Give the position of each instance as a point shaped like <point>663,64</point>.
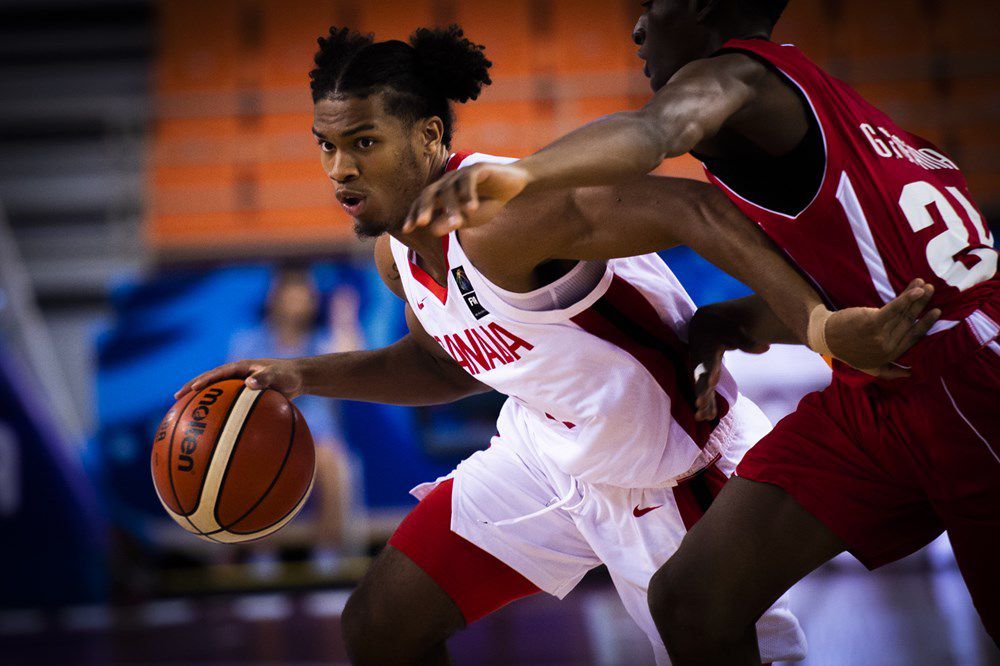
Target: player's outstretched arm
<point>653,213</point>
<point>701,98</point>
<point>407,372</point>
<point>412,371</point>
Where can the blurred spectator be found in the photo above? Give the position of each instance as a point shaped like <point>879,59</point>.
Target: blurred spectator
<point>292,327</point>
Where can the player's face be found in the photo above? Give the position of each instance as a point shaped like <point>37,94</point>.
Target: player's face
<point>669,36</point>
<point>372,159</point>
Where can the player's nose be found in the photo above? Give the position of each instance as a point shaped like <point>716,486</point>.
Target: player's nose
<point>343,169</point>
<point>638,34</point>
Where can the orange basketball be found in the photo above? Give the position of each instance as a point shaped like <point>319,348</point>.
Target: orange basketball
<point>231,463</point>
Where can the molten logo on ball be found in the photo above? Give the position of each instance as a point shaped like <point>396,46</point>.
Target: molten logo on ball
<point>195,428</point>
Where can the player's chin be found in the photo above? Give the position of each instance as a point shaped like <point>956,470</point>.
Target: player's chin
<point>656,81</point>
<point>366,228</point>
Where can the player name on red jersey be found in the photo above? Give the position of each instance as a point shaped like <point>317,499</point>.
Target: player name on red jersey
<point>483,348</point>
<point>890,145</point>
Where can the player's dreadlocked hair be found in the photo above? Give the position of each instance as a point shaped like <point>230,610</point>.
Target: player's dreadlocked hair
<point>421,77</point>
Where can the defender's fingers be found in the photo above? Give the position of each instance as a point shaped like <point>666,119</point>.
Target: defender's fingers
<point>449,213</point>
<point>706,378</point>
<point>899,330</point>
<point>891,312</point>
<point>422,211</point>
<point>919,329</point>
<point>468,193</point>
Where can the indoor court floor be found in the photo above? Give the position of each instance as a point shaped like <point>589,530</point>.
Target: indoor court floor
<point>913,613</point>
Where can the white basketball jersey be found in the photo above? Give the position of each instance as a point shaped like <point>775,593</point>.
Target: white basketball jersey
<point>605,384</point>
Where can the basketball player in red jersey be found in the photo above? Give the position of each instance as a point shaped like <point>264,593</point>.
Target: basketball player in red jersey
<point>861,207</point>
<point>599,457</point>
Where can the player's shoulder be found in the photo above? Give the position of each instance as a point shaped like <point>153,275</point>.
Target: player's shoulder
<point>385,263</point>
<point>724,67</point>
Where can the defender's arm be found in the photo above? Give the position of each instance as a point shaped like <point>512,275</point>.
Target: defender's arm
<point>701,98</point>
<point>653,213</point>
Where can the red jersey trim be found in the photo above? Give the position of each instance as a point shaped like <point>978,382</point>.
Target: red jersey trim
<point>623,317</point>
<point>456,160</point>
<point>424,278</point>
<point>418,273</point>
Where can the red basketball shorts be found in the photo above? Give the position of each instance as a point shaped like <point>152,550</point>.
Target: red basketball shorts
<point>889,466</point>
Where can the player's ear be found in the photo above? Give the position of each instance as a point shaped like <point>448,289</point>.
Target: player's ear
<point>431,134</point>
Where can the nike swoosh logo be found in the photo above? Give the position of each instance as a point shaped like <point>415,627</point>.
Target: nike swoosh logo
<point>639,513</point>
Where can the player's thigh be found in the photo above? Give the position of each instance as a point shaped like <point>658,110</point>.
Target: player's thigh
<point>398,600</point>
<point>752,544</point>
<point>428,582</point>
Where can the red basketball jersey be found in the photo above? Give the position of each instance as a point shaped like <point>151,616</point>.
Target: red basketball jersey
<point>891,206</point>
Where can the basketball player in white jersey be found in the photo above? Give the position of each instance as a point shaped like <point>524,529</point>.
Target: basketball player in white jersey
<point>600,457</point>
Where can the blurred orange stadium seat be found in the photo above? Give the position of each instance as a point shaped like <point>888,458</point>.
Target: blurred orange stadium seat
<point>506,30</point>
<point>195,54</point>
<point>888,28</point>
<point>967,27</point>
<point>290,33</point>
<point>593,36</point>
<point>391,19</point>
<point>808,25</point>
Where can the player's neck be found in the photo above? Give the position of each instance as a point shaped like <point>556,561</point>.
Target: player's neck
<point>428,247</point>
<point>740,28</point>
<point>429,250</point>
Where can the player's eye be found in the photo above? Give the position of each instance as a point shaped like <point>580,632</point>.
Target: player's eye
<point>366,142</point>
<point>325,146</point>
<point>646,5</point>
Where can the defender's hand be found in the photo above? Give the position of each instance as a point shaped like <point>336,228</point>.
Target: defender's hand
<point>871,338</point>
<point>466,197</point>
<point>282,375</point>
<point>710,335</point>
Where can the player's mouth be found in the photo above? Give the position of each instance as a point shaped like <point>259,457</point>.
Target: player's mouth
<point>352,202</point>
<point>645,70</point>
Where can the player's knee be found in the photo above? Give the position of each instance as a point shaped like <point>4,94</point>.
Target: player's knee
<point>685,603</point>
<point>666,597</point>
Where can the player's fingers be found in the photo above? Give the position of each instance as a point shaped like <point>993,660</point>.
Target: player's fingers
<point>918,330</point>
<point>706,377</point>
<point>422,211</point>
<point>899,330</point>
<point>210,377</point>
<point>898,307</point>
<point>450,211</point>
<point>261,379</point>
<point>468,195</point>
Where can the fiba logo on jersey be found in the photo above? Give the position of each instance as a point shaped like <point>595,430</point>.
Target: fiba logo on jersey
<point>468,293</point>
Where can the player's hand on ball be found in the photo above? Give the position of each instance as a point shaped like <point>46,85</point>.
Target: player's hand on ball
<point>871,338</point>
<point>710,335</point>
<point>282,375</point>
<point>466,197</point>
